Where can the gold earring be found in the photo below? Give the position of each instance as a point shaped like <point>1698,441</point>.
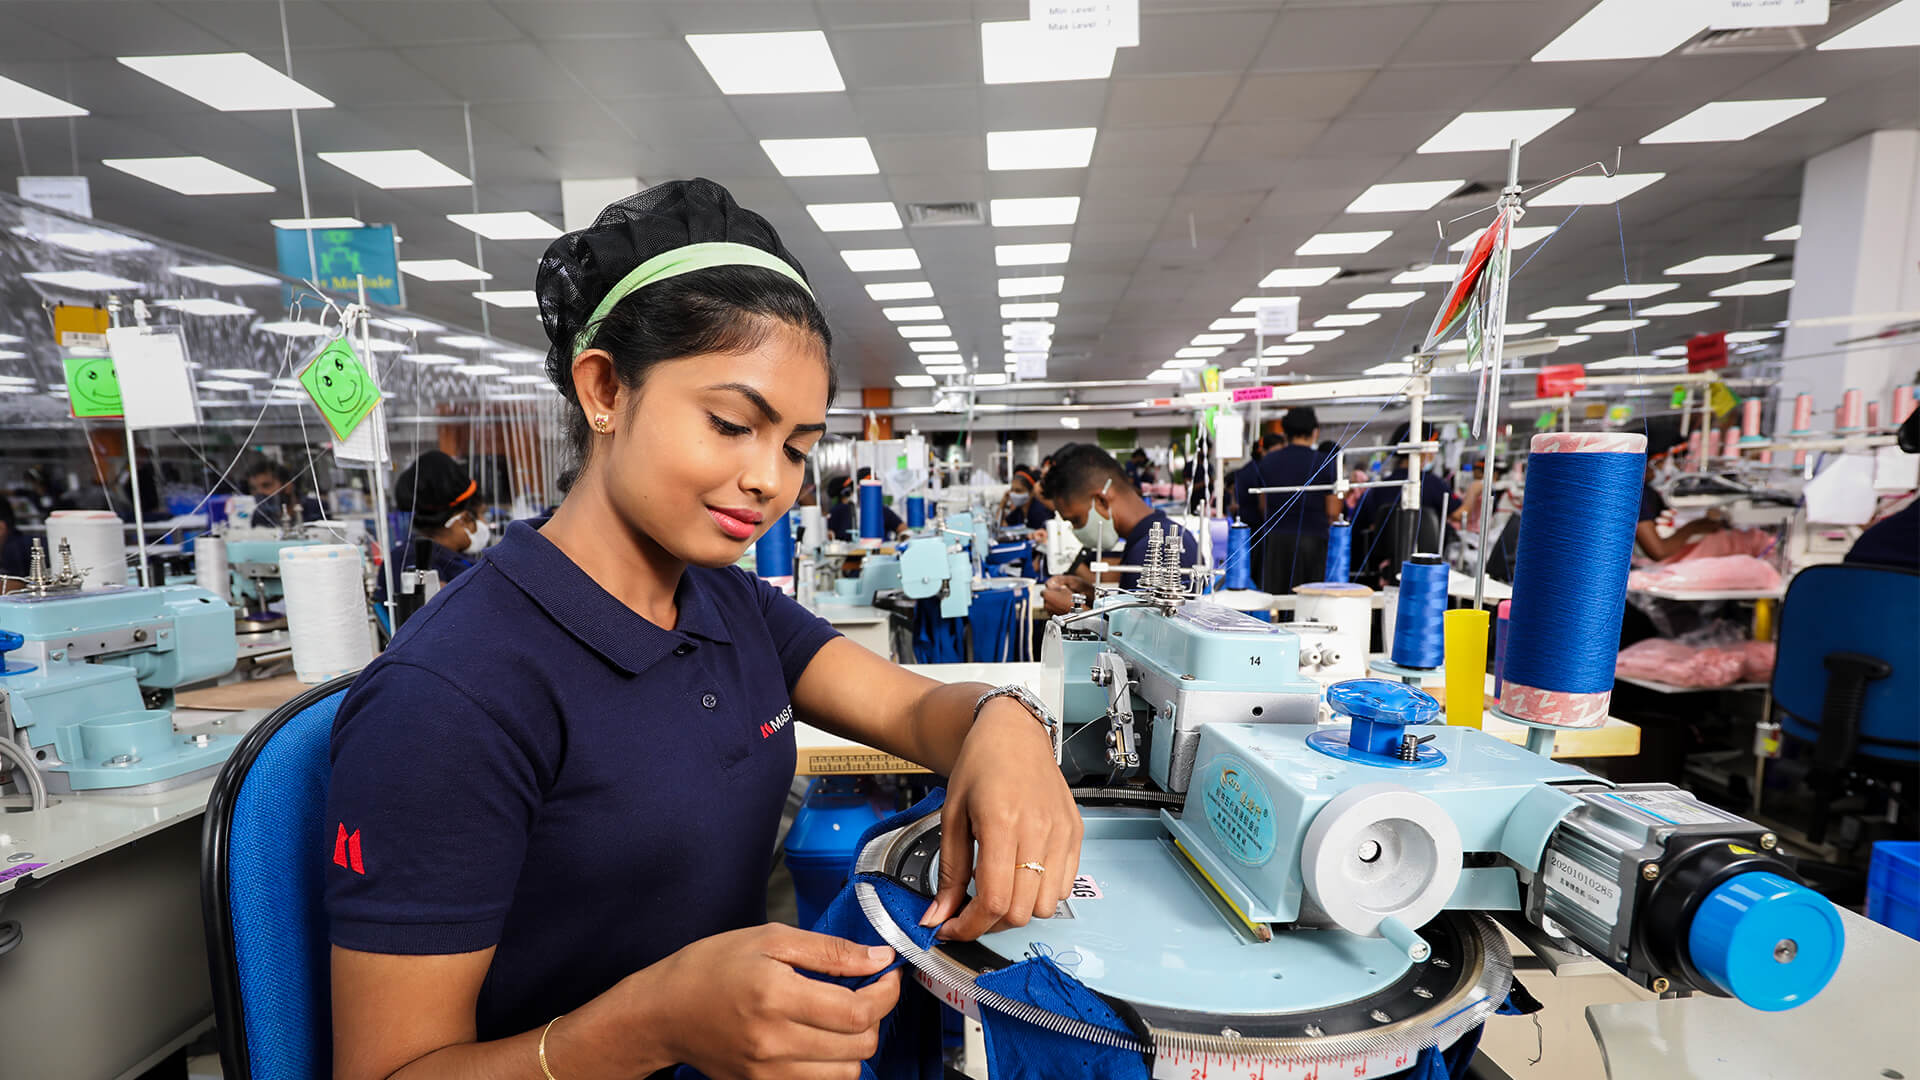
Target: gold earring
<point>600,423</point>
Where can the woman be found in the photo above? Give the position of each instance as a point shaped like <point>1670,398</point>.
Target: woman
<point>442,497</point>
<point>1019,507</point>
<point>554,798</point>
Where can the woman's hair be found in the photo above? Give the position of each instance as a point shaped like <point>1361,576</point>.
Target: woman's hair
<point>727,309</point>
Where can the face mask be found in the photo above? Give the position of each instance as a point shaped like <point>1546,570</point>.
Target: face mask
<point>1089,534</point>
<point>479,534</point>
<point>1018,498</point>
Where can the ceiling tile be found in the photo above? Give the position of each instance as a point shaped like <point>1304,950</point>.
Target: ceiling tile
<point>936,111</point>
<point>617,68</point>
<point>1257,142</point>
<point>1344,35</point>
<point>1168,99</point>
<point>1148,146</point>
<point>1301,95</point>
<point>1194,42</point>
<point>1450,89</point>
<point>908,56</point>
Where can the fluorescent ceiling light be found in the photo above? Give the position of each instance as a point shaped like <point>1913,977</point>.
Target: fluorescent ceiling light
<point>521,356</point>
<point>1718,264</point>
<point>1671,350</point>
<point>204,306</point>
<point>190,175</point>
<point>914,381</point>
<point>1049,148</point>
<point>524,380</point>
<point>1386,299</point>
<point>854,217</point>
<point>11,339</point>
<point>1436,274</point>
<point>923,313</point>
<point>1045,309</point>
<point>1521,329</point>
<point>1629,363</point>
<point>508,298</point>
<point>383,345</point>
<point>1298,277</point>
<point>1612,326</point>
<point>788,62</point>
<point>289,384</point>
<point>481,369</point>
<point>870,260</point>
<point>1569,311</point>
<point>1268,361</point>
<point>1185,363</point>
<point>1156,375</point>
<point>408,323</point>
<point>1286,350</point>
<point>80,280</point>
<point>1030,254</point>
<point>1791,232</point>
<point>1347,319</point>
<point>443,270</point>
<point>1491,130</point>
<point>900,290</point>
<point>466,341</point>
<point>507,225</point>
<point>1594,190</point>
<point>1018,52</point>
<point>93,241</point>
<point>1742,337</point>
<point>18,101</point>
<point>934,346</point>
<point>1048,210</point>
<point>392,169</point>
<point>231,277</point>
<point>1235,322</point>
<point>851,156</point>
<point>1731,121</point>
<point>1196,352</point>
<point>317,223</point>
<point>989,378</point>
<point>221,384</point>
<point>1045,328</point>
<point>293,328</point>
<point>247,374</point>
<point>1313,335</point>
<point>1893,27</point>
<point>1032,286</point>
<point>1523,235</point>
<point>1634,292</point>
<point>1217,339</point>
<point>1398,198</point>
<point>1255,303</point>
<point>947,369</point>
<point>1566,340</point>
<point>434,359</point>
<point>1694,307</point>
<point>1342,243</point>
<point>1621,29</point>
<point>230,82</point>
<point>17,380</point>
<point>1744,288</point>
<point>931,330</point>
<point>1237,373</point>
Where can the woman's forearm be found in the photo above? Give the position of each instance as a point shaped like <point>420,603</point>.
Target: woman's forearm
<point>941,720</point>
<point>605,1039</point>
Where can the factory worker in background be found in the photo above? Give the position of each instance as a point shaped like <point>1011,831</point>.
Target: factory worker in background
<point>1092,492</point>
<point>1295,546</point>
<point>844,520</point>
<point>446,509</point>
<point>1019,508</point>
<point>1663,437</point>
<point>556,792</point>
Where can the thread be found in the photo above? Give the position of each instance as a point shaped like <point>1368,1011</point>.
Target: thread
<point>1339,551</point>
<point>1731,448</point>
<point>813,528</point>
<point>326,610</point>
<point>1902,404</point>
<point>1419,639</point>
<point>916,511</point>
<point>1852,413</point>
<point>210,566</point>
<point>1750,416</point>
<point>1802,412</point>
<point>1570,581</point>
<point>1466,637</point>
<point>1873,414</point>
<point>773,554</point>
<point>1238,561</point>
<point>99,546</point>
<point>1500,624</point>
<point>873,512</point>
<point>1349,610</point>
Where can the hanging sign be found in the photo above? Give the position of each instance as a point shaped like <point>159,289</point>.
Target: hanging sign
<point>340,386</point>
<point>1112,22</point>
<point>93,389</point>
<point>344,257</point>
<point>82,328</point>
<point>1746,14</point>
<point>1277,317</point>
<point>1029,336</point>
<point>68,193</point>
<point>1721,399</point>
<point>154,382</point>
<point>1030,365</point>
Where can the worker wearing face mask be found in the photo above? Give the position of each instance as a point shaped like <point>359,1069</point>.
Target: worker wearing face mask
<point>1089,488</point>
<point>446,510</point>
<point>1019,508</point>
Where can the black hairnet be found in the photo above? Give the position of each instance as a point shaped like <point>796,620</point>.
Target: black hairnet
<point>434,487</point>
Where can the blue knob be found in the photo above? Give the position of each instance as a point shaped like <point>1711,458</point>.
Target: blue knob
<point>1766,941</point>
<point>9,641</point>
<point>1379,710</point>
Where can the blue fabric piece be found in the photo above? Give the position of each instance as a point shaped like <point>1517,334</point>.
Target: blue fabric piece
<point>992,623</point>
<point>936,640</point>
<point>1017,1050</point>
<point>277,854</point>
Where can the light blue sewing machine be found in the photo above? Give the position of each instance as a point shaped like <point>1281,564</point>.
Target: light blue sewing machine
<point>87,680</point>
<point>877,572</point>
<point>254,563</point>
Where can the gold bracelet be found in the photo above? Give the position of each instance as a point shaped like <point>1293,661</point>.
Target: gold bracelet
<point>548,1073</point>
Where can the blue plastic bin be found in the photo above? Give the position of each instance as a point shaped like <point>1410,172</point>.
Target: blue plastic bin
<point>1893,886</point>
<point>824,839</point>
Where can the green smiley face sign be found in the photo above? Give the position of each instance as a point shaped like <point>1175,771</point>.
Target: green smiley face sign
<point>340,387</point>
<point>93,389</point>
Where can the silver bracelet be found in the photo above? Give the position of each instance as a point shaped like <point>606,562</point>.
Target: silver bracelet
<point>1032,703</point>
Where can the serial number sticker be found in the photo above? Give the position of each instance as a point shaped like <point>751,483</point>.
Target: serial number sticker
<point>1586,888</point>
<point>1085,888</point>
<point>1670,807</point>
<point>1187,1065</point>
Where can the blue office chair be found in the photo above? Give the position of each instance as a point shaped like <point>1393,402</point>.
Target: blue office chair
<point>263,856</point>
<point>1844,676</point>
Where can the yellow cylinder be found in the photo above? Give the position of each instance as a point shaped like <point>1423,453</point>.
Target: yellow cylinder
<point>1466,641</point>
<point>1763,616</point>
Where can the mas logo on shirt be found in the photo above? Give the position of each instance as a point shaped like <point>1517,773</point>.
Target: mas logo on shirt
<point>346,850</point>
<point>773,726</point>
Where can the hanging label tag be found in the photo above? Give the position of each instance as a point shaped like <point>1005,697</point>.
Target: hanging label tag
<point>340,387</point>
<point>1278,317</point>
<point>93,388</point>
<point>1721,399</point>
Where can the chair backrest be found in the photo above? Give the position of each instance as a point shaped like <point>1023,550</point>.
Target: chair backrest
<point>1851,616</point>
<point>263,856</point>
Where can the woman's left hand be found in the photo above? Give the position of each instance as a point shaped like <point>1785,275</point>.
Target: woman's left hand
<point>1007,793</point>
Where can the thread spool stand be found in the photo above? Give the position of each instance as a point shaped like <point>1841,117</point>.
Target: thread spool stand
<point>1540,737</point>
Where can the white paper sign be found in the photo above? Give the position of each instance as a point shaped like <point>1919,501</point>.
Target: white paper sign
<point>1114,21</point>
<point>1843,493</point>
<point>156,386</point>
<point>1742,14</point>
<point>1030,365</point>
<point>1895,470</point>
<point>68,193</point>
<point>1229,435</point>
<point>1029,336</point>
<point>1279,316</point>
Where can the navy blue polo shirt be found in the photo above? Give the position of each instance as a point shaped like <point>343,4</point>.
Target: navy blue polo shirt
<point>534,767</point>
<point>1136,550</point>
<point>1291,466</point>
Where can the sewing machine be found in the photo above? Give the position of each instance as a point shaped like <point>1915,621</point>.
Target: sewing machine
<point>87,679</point>
<point>1277,890</point>
<point>876,572</point>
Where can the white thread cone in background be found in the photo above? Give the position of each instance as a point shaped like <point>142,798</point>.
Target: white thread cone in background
<point>99,545</point>
<point>210,570</point>
<point>326,610</point>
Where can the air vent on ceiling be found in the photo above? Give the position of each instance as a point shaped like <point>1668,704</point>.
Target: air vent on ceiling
<point>945,213</point>
<point>1761,39</point>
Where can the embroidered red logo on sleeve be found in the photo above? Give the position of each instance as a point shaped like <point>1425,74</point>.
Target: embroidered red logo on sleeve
<point>346,850</point>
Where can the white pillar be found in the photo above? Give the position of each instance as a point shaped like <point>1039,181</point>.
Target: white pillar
<point>1858,254</point>
<point>582,200</point>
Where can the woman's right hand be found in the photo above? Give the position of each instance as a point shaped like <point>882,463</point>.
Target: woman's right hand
<point>736,1006</point>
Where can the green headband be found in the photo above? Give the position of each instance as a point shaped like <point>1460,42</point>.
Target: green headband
<point>679,261</point>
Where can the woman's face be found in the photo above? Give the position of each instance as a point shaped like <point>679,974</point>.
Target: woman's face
<point>710,450</point>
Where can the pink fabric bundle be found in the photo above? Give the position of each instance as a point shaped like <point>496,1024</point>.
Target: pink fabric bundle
<point>1756,660</point>
<point>1726,542</point>
<point>1709,573</point>
<point>1678,664</point>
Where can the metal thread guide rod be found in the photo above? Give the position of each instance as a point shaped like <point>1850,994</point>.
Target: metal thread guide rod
<point>358,317</point>
<point>1509,206</point>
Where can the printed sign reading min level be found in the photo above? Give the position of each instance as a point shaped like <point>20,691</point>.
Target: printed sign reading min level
<point>1588,889</point>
